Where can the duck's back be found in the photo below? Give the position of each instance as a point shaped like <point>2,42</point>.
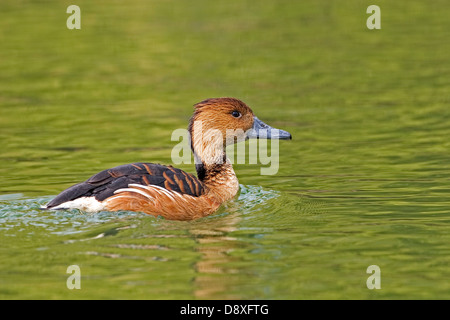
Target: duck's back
<point>89,195</point>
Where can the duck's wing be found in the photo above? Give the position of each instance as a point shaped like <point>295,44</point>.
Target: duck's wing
<point>139,176</point>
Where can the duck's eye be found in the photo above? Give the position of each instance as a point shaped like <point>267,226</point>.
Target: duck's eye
<point>236,114</point>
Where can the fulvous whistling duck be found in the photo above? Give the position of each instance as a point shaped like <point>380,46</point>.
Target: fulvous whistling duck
<point>169,192</point>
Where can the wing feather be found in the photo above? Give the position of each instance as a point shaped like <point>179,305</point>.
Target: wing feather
<point>109,182</point>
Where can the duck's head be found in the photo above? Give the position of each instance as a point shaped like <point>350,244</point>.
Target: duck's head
<point>218,122</point>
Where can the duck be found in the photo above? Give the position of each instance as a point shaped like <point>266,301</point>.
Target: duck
<point>172,193</point>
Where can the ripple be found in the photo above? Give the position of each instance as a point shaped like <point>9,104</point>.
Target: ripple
<point>21,214</point>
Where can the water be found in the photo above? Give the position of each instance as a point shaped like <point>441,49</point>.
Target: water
<point>365,180</point>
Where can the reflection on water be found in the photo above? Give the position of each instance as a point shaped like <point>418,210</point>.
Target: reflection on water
<point>216,244</point>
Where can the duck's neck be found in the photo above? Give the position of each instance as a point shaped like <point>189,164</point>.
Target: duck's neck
<point>220,179</point>
<point>215,170</point>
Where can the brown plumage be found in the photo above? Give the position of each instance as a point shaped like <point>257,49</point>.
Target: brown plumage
<point>169,192</point>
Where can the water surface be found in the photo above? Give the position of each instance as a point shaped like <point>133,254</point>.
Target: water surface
<point>365,180</point>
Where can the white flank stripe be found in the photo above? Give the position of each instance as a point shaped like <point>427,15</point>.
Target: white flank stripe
<point>88,204</point>
<point>165,191</point>
<point>141,192</point>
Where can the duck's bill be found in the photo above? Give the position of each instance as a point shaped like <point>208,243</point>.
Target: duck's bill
<point>260,130</point>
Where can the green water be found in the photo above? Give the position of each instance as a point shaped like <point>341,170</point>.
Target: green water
<point>365,180</point>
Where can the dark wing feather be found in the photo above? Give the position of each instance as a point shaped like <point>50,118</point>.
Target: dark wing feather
<point>103,184</point>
